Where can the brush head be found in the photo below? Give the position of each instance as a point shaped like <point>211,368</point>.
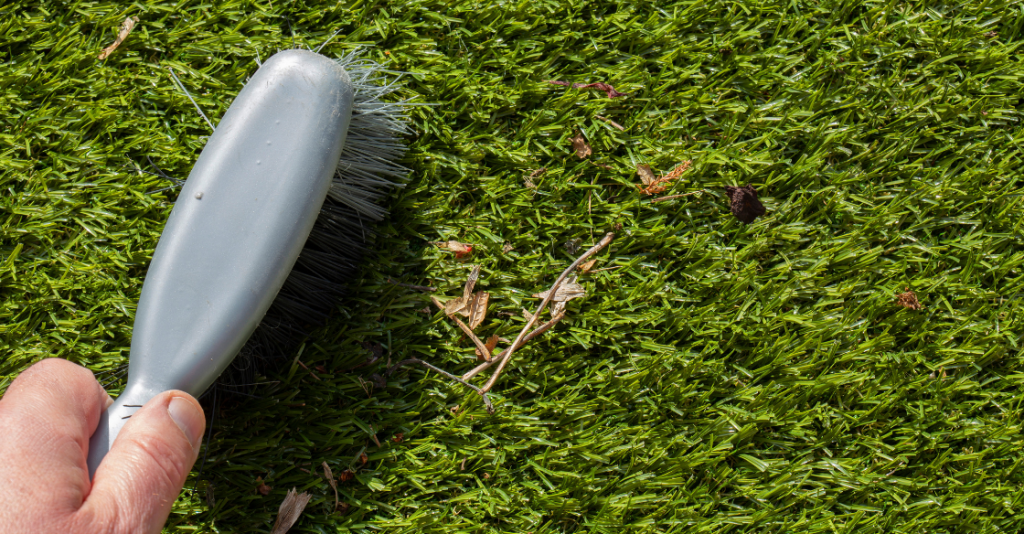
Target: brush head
<point>367,171</point>
<point>255,197</point>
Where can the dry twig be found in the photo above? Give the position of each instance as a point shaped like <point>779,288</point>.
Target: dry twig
<point>550,294</point>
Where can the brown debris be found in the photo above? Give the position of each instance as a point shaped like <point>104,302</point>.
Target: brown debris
<point>478,308</point>
<point>586,267</point>
<point>291,508</point>
<point>529,179</point>
<point>346,475</point>
<point>399,437</point>
<point>600,86</point>
<point>567,291</point>
<point>363,458</point>
<point>743,203</point>
<point>330,480</point>
<point>263,488</point>
<point>908,300</point>
<point>491,343</point>
<point>126,28</point>
<point>654,186</point>
<point>579,144</point>
<point>461,250</point>
<point>613,123</point>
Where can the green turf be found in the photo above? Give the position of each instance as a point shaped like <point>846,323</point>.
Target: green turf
<point>724,378</point>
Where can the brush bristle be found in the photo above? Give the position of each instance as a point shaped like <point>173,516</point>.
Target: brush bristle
<point>367,171</point>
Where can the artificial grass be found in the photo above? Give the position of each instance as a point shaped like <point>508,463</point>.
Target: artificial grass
<point>722,378</point>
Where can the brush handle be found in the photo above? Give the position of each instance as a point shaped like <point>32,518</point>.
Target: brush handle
<point>235,232</point>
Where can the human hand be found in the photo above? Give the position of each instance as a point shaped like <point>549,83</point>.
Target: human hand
<point>46,418</point>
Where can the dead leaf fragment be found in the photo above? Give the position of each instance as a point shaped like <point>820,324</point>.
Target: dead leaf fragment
<point>346,475</point>
<point>126,28</point>
<point>343,507</point>
<point>579,144</point>
<point>567,291</point>
<point>646,174</point>
<point>491,343</point>
<point>600,86</point>
<point>908,300</point>
<point>529,179</point>
<point>461,250</point>
<point>399,437</point>
<point>743,203</point>
<point>363,458</point>
<point>463,304</point>
<point>332,482</point>
<point>653,186</point>
<point>478,309</point>
<point>586,267</point>
<point>263,488</point>
<point>291,508</point>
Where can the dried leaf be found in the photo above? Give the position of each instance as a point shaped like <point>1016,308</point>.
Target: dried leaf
<point>600,86</point>
<point>126,28</point>
<point>613,123</point>
<point>659,185</point>
<point>263,488</point>
<point>399,437</point>
<point>579,144</point>
<point>332,482</point>
<point>478,309</point>
<point>491,343</point>
<point>529,179</point>
<point>743,203</point>
<point>527,315</point>
<point>908,300</point>
<point>290,510</point>
<point>567,291</point>
<point>586,267</point>
<point>507,248</point>
<point>467,290</point>
<point>346,475</point>
<point>646,174</point>
<point>343,507</point>
<point>461,250</point>
<point>363,458</point>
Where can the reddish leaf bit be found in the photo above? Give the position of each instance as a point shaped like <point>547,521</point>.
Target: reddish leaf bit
<point>263,488</point>
<point>363,458</point>
<point>908,300</point>
<point>346,475</point>
<point>600,86</point>
<point>743,203</point>
<point>461,250</point>
<point>490,344</point>
<point>343,507</point>
<point>399,437</point>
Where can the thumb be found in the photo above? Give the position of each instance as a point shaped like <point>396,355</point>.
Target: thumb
<point>140,478</point>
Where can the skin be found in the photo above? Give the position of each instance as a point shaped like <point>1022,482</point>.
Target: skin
<point>46,418</point>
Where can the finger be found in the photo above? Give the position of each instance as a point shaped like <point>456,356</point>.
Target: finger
<point>139,479</point>
<point>46,418</point>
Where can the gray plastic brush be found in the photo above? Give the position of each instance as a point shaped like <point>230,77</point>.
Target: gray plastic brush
<point>265,231</point>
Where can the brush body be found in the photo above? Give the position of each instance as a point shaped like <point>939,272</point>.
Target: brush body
<point>239,225</point>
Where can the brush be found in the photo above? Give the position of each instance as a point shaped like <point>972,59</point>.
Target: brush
<point>265,231</point>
